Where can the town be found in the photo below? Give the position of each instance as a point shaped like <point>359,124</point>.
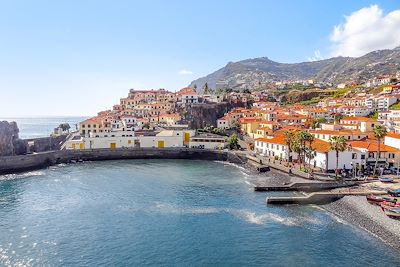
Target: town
<point>353,134</point>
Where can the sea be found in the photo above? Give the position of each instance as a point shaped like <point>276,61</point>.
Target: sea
<point>169,213</point>
<point>34,127</point>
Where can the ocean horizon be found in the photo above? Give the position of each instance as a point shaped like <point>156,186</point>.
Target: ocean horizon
<point>42,126</point>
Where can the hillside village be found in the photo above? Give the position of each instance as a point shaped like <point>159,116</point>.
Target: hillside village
<point>287,133</point>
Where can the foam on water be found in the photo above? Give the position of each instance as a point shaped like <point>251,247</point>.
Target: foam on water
<point>21,175</point>
<point>243,214</point>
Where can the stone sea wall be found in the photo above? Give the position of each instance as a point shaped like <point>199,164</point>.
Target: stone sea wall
<point>12,164</point>
<point>43,144</point>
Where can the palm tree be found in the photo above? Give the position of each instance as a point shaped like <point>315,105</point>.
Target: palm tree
<point>303,138</point>
<point>338,144</point>
<point>379,132</point>
<point>310,154</point>
<point>289,140</point>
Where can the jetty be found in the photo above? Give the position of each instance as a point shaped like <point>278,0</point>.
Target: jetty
<point>319,198</point>
<point>305,186</point>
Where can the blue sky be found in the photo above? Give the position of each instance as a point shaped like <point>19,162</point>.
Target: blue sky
<point>79,57</point>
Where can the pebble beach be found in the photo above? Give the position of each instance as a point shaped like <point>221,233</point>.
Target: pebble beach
<point>357,211</point>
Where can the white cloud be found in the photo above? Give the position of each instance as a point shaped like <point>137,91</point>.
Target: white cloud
<point>317,56</point>
<point>366,30</point>
<point>185,72</point>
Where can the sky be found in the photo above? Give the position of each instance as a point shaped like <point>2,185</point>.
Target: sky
<point>79,57</point>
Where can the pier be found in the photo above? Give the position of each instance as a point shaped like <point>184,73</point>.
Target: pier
<point>306,186</point>
<point>319,198</point>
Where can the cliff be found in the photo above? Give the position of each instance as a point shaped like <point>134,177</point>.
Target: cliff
<point>10,144</point>
<point>207,114</point>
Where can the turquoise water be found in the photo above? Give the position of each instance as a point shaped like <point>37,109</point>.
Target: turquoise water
<point>169,213</point>
<point>41,126</point>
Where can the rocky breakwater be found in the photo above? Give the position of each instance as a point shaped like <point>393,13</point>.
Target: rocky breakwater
<point>10,144</point>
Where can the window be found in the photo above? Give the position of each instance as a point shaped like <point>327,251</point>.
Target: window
<point>353,155</point>
<point>363,156</point>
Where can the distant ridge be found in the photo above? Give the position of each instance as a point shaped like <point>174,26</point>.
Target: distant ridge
<point>250,72</point>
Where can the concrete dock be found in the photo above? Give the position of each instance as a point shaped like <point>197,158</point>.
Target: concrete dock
<point>305,186</point>
<point>318,198</point>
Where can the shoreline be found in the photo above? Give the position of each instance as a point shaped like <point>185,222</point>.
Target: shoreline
<point>358,212</point>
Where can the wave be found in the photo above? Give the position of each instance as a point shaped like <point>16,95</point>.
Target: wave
<point>265,218</point>
<point>231,164</point>
<point>242,214</point>
<point>21,175</point>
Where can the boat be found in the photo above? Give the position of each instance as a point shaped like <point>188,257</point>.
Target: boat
<point>386,179</point>
<point>375,200</point>
<point>389,204</point>
<point>394,192</point>
<point>393,213</point>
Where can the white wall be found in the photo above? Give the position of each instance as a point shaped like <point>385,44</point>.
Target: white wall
<point>393,142</point>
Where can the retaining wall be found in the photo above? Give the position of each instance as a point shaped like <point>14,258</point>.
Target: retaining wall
<point>35,161</point>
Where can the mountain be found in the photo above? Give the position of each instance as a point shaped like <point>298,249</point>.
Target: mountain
<point>250,72</point>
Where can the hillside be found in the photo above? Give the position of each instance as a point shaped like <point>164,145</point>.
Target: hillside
<point>250,72</point>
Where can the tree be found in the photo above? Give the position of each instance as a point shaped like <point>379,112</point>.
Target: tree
<point>233,142</point>
<point>338,117</point>
<point>379,132</point>
<point>310,154</point>
<point>303,138</point>
<point>205,89</point>
<point>64,126</point>
<point>289,140</point>
<point>338,144</point>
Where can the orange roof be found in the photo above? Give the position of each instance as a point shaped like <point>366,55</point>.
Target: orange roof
<point>321,146</point>
<point>93,120</point>
<point>358,119</point>
<point>249,119</point>
<point>333,132</point>
<point>372,146</point>
<point>274,140</point>
<point>393,135</point>
<point>264,128</point>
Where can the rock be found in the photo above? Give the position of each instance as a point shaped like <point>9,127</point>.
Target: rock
<point>10,144</point>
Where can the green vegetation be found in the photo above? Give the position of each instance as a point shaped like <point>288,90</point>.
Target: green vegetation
<point>341,92</point>
<point>310,102</point>
<point>395,106</point>
<point>64,126</point>
<point>373,115</point>
<point>376,90</point>
<point>233,142</point>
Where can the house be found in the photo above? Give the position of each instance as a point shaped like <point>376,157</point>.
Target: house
<point>325,158</point>
<point>208,141</point>
<point>326,135</point>
<point>388,156</point>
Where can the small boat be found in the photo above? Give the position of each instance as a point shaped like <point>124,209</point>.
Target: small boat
<point>394,192</point>
<point>393,213</point>
<point>386,179</point>
<point>389,204</point>
<point>375,200</point>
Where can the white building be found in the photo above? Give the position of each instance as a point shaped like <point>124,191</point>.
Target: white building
<point>208,141</point>
<point>128,139</point>
<point>325,159</point>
